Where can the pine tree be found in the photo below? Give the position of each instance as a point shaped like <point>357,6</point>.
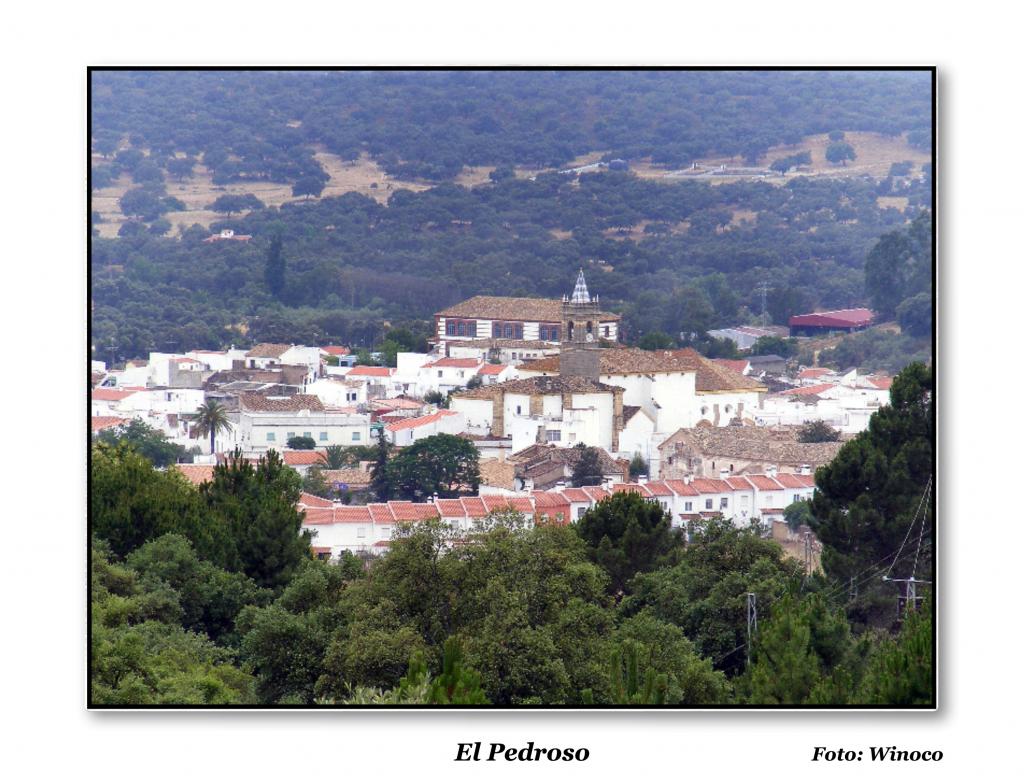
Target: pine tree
<point>274,271</point>
<point>380,479</point>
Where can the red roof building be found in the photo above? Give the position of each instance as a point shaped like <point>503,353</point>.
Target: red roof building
<point>812,324</point>
<point>369,371</point>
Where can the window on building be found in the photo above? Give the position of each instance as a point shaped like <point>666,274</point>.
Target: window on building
<point>728,408</point>
<point>519,410</point>
<point>461,327</point>
<point>361,532</point>
<point>291,434</point>
<point>462,374</point>
<point>271,436</point>
<point>703,410</point>
<point>796,498</point>
<point>471,328</point>
<point>724,503</point>
<point>509,331</point>
<point>496,329</point>
<point>555,435</point>
<point>451,329</point>
<point>307,434</point>
<point>687,506</point>
<point>440,373</point>
<point>708,504</point>
<point>580,511</point>
<point>604,332</point>
<point>323,436</point>
<point>744,500</point>
<point>356,436</point>
<point>518,330</point>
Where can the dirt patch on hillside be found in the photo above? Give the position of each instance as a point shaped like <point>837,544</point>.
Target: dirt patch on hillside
<point>362,175</point>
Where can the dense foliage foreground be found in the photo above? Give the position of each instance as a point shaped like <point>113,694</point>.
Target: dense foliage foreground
<point>210,596</point>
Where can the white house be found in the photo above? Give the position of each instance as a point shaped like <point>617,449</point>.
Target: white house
<point>677,388</point>
<point>266,422</point>
<point>408,430</point>
<point>446,374</point>
<point>339,392</point>
<point>564,411</point>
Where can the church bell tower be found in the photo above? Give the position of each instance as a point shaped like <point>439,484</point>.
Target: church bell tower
<point>581,326</point>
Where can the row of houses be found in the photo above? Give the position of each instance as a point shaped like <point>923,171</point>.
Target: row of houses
<point>368,529</point>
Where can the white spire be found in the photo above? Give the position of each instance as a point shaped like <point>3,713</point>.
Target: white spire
<point>580,295</point>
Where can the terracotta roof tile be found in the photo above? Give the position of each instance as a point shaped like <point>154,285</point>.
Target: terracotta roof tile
<point>764,445</point>
<point>705,485</point>
<point>369,371</point>
<point>658,488</point>
<point>512,308</point>
<point>403,510</point>
<point>808,390</point>
<point>318,516</point>
<point>381,513</point>
<point>309,500</point>
<point>474,507</point>
<point>680,488</point>
<point>450,507</point>
<point>423,420</point>
<point>196,473</point>
<point>101,422</point>
<point>710,377</point>
<point>789,480</point>
<point>492,502</point>
<point>350,514</point>
<point>521,504</point>
<point>492,369</point>
<point>732,364</point>
<point>497,474</point>
<point>268,350</point>
<point>425,511</point>
<point>546,385</point>
<point>630,487</point>
<point>464,363</point>
<point>352,475</point>
<point>740,483</point>
<point>761,482</point>
<point>251,402</point>
<point>577,495</point>
<point>301,457</point>
<point>112,394</point>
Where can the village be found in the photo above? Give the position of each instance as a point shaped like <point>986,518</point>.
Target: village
<point>531,383</point>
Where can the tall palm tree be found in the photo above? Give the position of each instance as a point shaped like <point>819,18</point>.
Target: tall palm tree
<point>334,457</point>
<point>211,417</point>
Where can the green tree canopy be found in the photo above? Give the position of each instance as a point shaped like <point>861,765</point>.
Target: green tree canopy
<point>444,464</point>
<point>148,442</point>
<point>627,535</point>
<point>870,493</point>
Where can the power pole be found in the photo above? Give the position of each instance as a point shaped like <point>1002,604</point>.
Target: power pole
<point>909,598</point>
<point>763,288</point>
<point>751,621</point>
<point>808,555</point>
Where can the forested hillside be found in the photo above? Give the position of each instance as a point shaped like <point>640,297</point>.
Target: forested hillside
<point>675,257</point>
<point>430,124</point>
